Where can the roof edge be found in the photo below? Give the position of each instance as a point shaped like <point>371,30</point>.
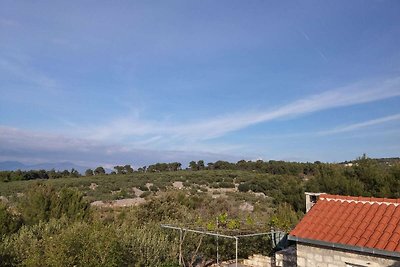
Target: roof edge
<point>370,200</point>
<point>373,251</point>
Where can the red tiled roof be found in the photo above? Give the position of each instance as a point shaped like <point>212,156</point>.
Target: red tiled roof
<point>355,221</point>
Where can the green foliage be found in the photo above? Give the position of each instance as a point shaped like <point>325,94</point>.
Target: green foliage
<point>99,171</point>
<point>193,166</point>
<point>42,202</point>
<point>74,173</point>
<point>163,167</point>
<point>61,243</point>
<point>59,230</point>
<point>127,169</point>
<point>245,187</point>
<point>200,165</point>
<point>143,187</point>
<point>169,264</point>
<point>9,222</point>
<point>70,203</point>
<point>169,207</point>
<point>153,188</point>
<point>211,226</point>
<point>366,177</point>
<point>222,219</point>
<point>233,224</point>
<point>89,172</point>
<point>284,218</point>
<point>226,185</point>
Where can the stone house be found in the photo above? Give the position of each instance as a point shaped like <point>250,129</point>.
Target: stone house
<point>347,231</point>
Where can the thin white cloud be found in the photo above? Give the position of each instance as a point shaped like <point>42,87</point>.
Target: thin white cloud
<point>35,147</point>
<point>361,125</point>
<point>162,141</point>
<point>15,138</point>
<point>307,37</point>
<point>218,126</point>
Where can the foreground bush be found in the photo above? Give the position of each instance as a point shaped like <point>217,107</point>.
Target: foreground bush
<point>9,222</point>
<point>42,202</point>
<point>61,243</point>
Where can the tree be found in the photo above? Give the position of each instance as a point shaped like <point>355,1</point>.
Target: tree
<point>43,174</point>
<point>120,169</point>
<point>142,169</point>
<point>53,174</point>
<point>99,170</point>
<point>193,165</point>
<point>128,169</point>
<point>284,218</point>
<point>370,173</point>
<point>65,173</point>
<point>89,172</point>
<point>210,166</point>
<point>223,165</point>
<point>74,173</point>
<point>174,166</point>
<point>200,165</point>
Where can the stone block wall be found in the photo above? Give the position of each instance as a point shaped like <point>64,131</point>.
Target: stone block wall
<point>313,256</point>
<point>257,260</point>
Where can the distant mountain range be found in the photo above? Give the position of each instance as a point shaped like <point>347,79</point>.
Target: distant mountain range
<point>58,166</point>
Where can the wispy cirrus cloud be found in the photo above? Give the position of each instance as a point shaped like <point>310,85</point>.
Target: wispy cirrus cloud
<point>132,135</point>
<point>353,94</point>
<point>361,125</point>
<point>146,142</point>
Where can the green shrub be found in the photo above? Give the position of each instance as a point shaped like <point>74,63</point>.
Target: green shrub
<point>226,185</point>
<point>60,243</point>
<point>145,194</point>
<point>244,187</point>
<point>9,222</point>
<point>153,188</point>
<point>143,187</point>
<point>214,185</point>
<point>43,202</point>
<point>284,218</point>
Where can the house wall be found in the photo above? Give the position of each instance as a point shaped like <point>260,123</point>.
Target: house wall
<point>312,256</point>
<point>286,257</point>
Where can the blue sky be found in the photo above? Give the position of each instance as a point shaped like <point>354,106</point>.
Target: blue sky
<point>112,82</point>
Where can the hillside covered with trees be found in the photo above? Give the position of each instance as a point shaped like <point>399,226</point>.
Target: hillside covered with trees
<point>46,218</point>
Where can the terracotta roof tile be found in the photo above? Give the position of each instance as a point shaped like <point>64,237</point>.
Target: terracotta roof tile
<point>396,213</point>
<point>361,242</point>
<point>357,221</point>
<point>383,241</point>
<point>353,241</point>
<point>395,238</point>
<point>391,245</point>
<point>397,230</point>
